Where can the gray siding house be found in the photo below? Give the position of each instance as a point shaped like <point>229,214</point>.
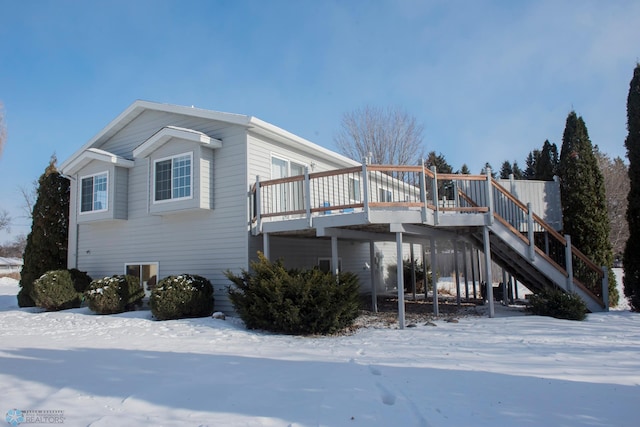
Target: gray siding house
<point>163,190</point>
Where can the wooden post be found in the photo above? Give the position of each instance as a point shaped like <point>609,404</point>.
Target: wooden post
<point>455,267</point>
<point>307,195</point>
<point>434,280</point>
<point>400,275</point>
<point>466,272</point>
<point>372,269</point>
<point>334,257</point>
<point>365,188</point>
<point>487,266</point>
<point>413,271</point>
<point>265,246</point>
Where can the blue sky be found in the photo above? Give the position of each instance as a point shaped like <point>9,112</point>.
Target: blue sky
<point>489,80</point>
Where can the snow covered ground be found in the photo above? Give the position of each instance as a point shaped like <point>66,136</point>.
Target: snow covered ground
<point>129,370</point>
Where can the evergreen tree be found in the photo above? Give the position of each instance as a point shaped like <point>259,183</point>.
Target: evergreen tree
<point>631,257</point>
<point>487,165</point>
<point>531,162</point>
<point>583,198</point>
<point>465,169</point>
<point>439,162</point>
<point>46,247</point>
<point>506,170</point>
<point>546,166</point>
<point>517,172</point>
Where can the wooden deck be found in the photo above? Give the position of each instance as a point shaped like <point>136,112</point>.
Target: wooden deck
<point>374,202</point>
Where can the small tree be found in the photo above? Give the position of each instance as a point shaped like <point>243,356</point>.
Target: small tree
<point>46,247</point>
<point>389,136</point>
<point>631,258</point>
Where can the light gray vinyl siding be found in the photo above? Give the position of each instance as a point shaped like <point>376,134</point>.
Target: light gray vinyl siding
<point>204,242</point>
<point>121,193</point>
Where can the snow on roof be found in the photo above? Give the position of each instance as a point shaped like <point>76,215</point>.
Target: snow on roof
<point>11,261</point>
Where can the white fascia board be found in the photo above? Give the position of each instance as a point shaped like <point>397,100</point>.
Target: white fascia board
<point>267,129</point>
<point>95,154</point>
<point>166,133</point>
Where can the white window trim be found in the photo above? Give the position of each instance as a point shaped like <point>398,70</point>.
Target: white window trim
<point>156,263</point>
<point>288,161</point>
<point>92,211</point>
<point>388,192</point>
<point>153,178</point>
<point>354,183</point>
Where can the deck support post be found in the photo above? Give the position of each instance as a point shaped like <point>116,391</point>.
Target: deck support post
<point>372,270</point>
<point>258,203</point>
<point>365,192</point>
<point>490,197</point>
<point>265,246</point>
<point>423,193</point>
<point>466,272</point>
<point>400,276</point>
<point>473,271</point>
<point>515,288</point>
<point>505,292</point>
<point>334,257</point>
<point>307,195</point>
<point>413,271</point>
<point>568,255</point>
<point>434,279</point>
<point>487,266</point>
<point>455,267</point>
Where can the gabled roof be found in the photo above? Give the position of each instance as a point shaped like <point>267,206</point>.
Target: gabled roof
<point>251,123</point>
<point>166,133</point>
<point>91,154</point>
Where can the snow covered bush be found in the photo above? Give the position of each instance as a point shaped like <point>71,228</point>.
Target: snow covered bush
<point>177,297</point>
<point>114,294</point>
<point>299,302</point>
<point>558,304</point>
<point>60,289</point>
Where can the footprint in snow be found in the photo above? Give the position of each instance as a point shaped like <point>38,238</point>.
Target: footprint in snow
<point>388,398</point>
<point>374,370</point>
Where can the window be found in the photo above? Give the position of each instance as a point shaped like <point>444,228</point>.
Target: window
<point>173,178</point>
<point>93,193</point>
<point>147,273</point>
<point>291,195</point>
<point>324,265</point>
<point>385,195</point>
<point>354,189</point>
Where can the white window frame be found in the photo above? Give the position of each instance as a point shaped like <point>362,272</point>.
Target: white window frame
<point>388,194</point>
<point>293,195</point>
<point>153,177</point>
<point>106,203</point>
<point>354,190</point>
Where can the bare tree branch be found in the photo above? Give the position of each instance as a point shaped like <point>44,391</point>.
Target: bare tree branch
<point>29,196</point>
<point>390,136</point>
<point>5,220</point>
<point>616,184</point>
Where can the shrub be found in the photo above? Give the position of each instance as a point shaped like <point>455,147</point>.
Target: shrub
<point>60,289</point>
<point>558,304</point>
<point>299,302</point>
<point>177,297</point>
<point>114,294</point>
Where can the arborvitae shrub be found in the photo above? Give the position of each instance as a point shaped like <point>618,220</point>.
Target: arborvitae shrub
<point>60,289</point>
<point>115,294</point>
<point>299,302</point>
<point>178,297</point>
<point>558,304</point>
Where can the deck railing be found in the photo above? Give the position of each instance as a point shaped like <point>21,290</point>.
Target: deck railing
<point>361,188</point>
